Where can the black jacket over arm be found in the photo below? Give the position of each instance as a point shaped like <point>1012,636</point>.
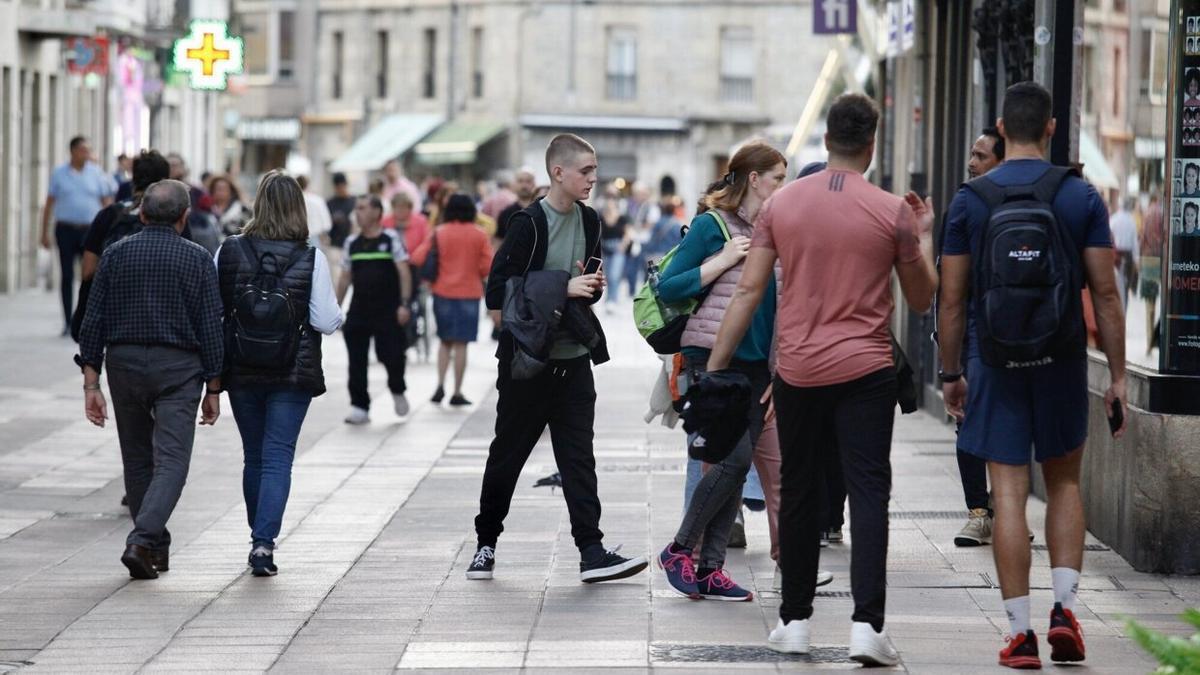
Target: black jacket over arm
<point>524,250</point>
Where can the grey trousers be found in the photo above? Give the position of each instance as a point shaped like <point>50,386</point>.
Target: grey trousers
<point>155,394</point>
<point>718,495</point>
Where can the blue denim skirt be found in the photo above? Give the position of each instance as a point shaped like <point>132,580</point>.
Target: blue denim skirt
<point>457,320</point>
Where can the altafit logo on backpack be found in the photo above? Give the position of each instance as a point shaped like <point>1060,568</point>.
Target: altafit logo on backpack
<point>1028,283</point>
<point>1025,254</point>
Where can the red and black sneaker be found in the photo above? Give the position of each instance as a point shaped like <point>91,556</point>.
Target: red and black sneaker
<point>1021,652</point>
<point>1065,637</point>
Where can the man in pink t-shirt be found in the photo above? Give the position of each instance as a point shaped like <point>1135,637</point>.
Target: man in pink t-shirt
<point>837,238</point>
<point>394,181</point>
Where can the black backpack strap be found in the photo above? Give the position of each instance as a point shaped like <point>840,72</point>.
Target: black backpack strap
<point>246,249</point>
<point>992,195</point>
<point>1046,187</point>
<point>591,220</point>
<point>251,256</point>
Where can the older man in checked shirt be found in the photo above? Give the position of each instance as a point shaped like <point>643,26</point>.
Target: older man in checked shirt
<point>156,308</point>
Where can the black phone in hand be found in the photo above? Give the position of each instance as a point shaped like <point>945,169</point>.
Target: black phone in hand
<point>1117,418</point>
<point>593,266</point>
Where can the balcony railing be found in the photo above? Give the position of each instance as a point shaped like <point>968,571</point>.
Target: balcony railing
<point>622,87</point>
<point>737,89</point>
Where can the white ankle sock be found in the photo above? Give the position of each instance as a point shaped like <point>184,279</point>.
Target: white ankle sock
<point>1018,614</point>
<point>1066,585</point>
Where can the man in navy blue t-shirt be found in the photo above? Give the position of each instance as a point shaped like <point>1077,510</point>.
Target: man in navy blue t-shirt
<point>1005,411</point>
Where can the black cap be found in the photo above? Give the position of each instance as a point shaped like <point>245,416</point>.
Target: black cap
<point>811,168</point>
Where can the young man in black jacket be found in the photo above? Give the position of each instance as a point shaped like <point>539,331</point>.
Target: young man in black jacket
<point>556,233</point>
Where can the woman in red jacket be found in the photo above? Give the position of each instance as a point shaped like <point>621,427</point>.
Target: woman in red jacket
<point>464,257</point>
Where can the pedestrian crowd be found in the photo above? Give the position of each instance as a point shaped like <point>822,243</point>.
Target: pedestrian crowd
<point>771,312</point>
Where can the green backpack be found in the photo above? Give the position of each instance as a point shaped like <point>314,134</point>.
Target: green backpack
<point>662,323</point>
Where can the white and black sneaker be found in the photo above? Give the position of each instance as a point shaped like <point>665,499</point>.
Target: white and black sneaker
<point>482,563</point>
<point>610,567</point>
<point>262,562</point>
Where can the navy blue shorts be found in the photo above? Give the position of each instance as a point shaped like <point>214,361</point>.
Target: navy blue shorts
<point>457,320</point>
<point>1010,411</point>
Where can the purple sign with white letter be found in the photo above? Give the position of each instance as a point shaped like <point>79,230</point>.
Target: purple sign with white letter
<point>835,16</point>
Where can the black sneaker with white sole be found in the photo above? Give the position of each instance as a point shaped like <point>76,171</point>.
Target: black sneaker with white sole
<point>610,567</point>
<point>482,563</point>
<point>262,562</point>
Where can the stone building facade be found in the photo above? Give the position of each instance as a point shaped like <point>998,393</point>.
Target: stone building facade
<point>662,87</point>
<point>44,102</point>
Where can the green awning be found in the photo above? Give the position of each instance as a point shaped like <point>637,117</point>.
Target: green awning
<point>1095,167</point>
<point>391,137</point>
<point>457,142</point>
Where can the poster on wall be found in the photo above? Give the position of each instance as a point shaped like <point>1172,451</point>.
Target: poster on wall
<point>1181,314</point>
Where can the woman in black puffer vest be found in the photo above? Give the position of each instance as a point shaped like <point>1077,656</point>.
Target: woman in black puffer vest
<point>271,259</point>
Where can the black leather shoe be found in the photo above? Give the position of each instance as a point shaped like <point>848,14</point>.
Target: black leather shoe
<point>137,559</point>
<point>161,559</point>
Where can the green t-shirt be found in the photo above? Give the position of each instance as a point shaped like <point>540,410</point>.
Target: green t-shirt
<point>566,244</point>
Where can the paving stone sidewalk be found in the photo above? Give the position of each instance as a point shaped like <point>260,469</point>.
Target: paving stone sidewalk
<point>378,533</point>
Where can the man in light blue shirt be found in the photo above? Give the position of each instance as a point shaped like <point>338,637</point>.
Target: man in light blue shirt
<point>78,190</point>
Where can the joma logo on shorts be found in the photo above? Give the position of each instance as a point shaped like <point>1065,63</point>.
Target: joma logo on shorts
<point>1044,361</point>
<point>1024,254</point>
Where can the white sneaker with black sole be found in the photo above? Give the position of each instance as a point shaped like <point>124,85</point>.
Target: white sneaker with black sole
<point>357,416</point>
<point>977,531</point>
<point>611,567</point>
<point>792,637</point>
<point>482,564</point>
<point>870,648</point>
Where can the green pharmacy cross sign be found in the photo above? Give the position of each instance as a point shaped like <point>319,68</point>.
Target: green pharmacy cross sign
<point>208,54</point>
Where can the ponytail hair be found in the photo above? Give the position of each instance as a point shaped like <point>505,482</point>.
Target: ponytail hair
<point>754,157</point>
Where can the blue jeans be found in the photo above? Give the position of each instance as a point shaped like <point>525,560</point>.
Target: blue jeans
<point>269,420</point>
<point>614,267</point>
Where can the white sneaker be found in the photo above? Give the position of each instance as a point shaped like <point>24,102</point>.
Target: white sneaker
<point>357,416</point>
<point>401,404</point>
<point>870,648</point>
<point>790,638</point>
<point>977,531</point>
<point>823,578</point>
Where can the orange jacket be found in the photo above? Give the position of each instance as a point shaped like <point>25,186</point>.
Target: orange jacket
<point>464,260</point>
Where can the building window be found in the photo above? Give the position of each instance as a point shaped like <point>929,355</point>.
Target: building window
<point>622,64</point>
<point>381,74</point>
<point>737,65</point>
<point>339,62</point>
<point>477,62</point>
<point>429,61</point>
<point>1116,77</point>
<point>1153,71</point>
<point>1088,77</point>
<point>287,44</point>
<point>256,41</point>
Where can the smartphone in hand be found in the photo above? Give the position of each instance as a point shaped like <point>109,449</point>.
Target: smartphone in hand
<point>593,265</point>
<point>1117,418</point>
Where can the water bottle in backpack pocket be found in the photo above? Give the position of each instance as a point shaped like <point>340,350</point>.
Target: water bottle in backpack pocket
<point>264,328</point>
<point>1028,276</point>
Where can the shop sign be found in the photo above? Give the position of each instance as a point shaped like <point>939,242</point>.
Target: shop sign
<point>831,17</point>
<point>208,55</point>
<point>1180,335</point>
<point>268,129</point>
<point>87,56</point>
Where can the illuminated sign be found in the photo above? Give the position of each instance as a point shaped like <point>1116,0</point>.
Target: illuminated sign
<point>208,54</point>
